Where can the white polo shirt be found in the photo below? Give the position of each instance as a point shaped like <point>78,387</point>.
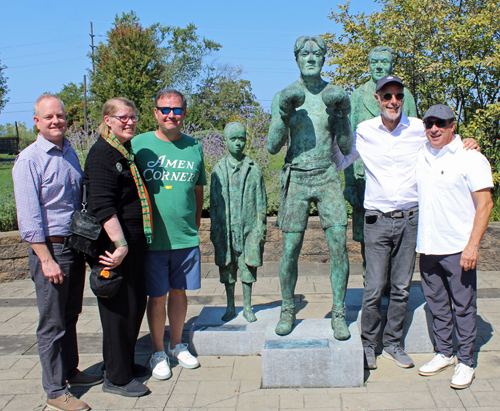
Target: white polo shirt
<point>390,159</point>
<point>446,181</point>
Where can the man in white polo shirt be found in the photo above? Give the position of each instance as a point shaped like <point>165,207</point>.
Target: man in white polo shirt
<point>388,145</point>
<point>455,206</point>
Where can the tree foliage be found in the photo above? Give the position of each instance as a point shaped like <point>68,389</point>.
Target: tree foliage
<point>3,88</point>
<point>219,96</point>
<point>448,51</point>
<point>136,62</point>
<point>72,96</point>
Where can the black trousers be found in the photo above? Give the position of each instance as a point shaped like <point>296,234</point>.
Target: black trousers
<point>121,317</point>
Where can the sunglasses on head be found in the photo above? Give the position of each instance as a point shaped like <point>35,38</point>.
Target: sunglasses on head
<point>388,96</point>
<point>439,123</point>
<point>166,110</point>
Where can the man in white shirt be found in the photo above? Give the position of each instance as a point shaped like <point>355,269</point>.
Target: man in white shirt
<point>388,145</point>
<point>455,206</point>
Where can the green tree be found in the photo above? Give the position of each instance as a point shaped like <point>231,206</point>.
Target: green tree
<point>72,96</point>
<point>448,51</point>
<point>136,62</point>
<point>3,88</point>
<point>219,96</point>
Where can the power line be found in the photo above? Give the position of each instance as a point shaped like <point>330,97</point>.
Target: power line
<point>43,54</point>
<point>48,62</point>
<point>21,111</point>
<point>42,42</point>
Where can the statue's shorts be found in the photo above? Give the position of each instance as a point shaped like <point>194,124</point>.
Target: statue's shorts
<point>320,186</point>
<point>228,273</point>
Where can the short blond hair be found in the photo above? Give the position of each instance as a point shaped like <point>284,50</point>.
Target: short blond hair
<point>109,108</point>
<point>43,97</point>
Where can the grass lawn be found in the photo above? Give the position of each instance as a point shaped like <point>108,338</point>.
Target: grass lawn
<point>6,176</point>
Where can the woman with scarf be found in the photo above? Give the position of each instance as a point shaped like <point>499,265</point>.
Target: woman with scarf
<point>117,197</point>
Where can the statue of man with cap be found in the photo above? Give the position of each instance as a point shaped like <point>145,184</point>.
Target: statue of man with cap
<point>364,107</point>
<point>311,117</point>
<point>238,209</point>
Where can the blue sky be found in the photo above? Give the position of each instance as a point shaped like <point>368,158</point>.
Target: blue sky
<point>45,44</point>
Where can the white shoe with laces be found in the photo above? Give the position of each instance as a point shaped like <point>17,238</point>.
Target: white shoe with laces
<point>159,366</point>
<point>463,376</point>
<point>181,354</point>
<point>436,365</point>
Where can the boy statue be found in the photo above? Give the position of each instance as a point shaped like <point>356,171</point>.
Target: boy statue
<point>238,207</point>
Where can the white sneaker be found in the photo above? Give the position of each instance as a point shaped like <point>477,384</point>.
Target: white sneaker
<point>436,365</point>
<point>181,354</point>
<point>159,366</point>
<point>463,376</point>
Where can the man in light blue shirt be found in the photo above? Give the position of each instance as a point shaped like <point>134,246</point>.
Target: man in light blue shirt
<point>47,185</point>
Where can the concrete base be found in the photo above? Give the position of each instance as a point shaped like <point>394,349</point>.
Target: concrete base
<point>417,326</point>
<point>209,335</point>
<point>310,357</point>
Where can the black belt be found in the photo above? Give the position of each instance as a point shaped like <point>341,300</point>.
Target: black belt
<point>398,213</point>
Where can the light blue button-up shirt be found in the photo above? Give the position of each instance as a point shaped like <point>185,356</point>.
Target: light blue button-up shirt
<point>47,187</point>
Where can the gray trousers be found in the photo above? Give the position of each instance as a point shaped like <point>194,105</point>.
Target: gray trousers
<point>59,306</point>
<point>387,240</point>
<point>449,289</point>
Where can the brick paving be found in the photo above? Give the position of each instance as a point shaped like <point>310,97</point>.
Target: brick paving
<point>234,383</point>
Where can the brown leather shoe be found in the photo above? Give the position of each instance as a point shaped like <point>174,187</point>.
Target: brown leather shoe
<point>83,379</point>
<point>67,402</point>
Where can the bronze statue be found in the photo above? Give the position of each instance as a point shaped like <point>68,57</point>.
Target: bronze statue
<point>238,208</point>
<point>311,117</point>
<point>364,106</point>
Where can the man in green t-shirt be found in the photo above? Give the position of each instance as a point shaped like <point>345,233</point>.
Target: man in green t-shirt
<point>171,165</point>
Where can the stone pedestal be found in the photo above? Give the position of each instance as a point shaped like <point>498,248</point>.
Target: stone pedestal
<point>417,326</point>
<point>209,335</point>
<point>310,357</point>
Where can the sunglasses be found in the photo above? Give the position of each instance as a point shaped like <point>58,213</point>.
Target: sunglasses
<point>439,123</point>
<point>166,110</point>
<point>125,119</point>
<point>388,96</point>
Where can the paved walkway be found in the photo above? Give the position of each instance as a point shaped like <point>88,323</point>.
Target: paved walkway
<point>233,383</point>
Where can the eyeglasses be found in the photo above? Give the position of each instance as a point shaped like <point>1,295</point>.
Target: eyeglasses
<point>388,96</point>
<point>125,119</point>
<point>439,123</point>
<point>166,110</point>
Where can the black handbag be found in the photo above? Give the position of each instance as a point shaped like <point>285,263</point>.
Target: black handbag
<point>85,228</point>
<point>105,283</point>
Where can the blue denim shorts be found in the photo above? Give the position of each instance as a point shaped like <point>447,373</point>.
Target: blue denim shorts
<point>178,269</point>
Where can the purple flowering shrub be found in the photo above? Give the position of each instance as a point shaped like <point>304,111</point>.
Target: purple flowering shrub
<point>81,142</point>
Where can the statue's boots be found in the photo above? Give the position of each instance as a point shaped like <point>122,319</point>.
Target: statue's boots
<point>339,326</point>
<point>287,319</point>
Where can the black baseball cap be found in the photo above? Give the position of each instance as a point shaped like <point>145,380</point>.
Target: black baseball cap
<point>386,80</point>
<point>440,111</point>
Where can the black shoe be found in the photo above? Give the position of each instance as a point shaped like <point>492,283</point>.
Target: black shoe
<point>132,389</point>
<point>83,379</point>
<point>139,371</point>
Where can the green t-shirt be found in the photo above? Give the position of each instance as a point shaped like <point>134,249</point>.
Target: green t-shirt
<point>170,171</point>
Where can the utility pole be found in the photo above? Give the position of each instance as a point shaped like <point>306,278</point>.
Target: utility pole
<point>17,134</point>
<point>92,45</point>
<point>85,105</point>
